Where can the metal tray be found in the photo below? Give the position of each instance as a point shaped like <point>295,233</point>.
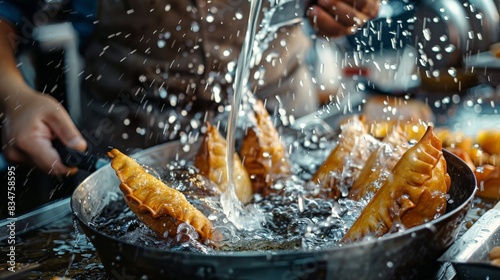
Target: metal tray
<point>36,218</point>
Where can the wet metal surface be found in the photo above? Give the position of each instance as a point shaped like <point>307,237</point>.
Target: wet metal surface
<point>469,255</point>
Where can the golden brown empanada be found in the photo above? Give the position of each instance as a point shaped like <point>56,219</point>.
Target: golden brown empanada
<point>158,206</point>
<point>382,160</point>
<point>263,152</point>
<point>354,145</point>
<point>414,193</point>
<point>212,163</point>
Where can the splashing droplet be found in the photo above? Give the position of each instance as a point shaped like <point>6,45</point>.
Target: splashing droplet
<point>427,34</point>
<point>162,92</point>
<point>452,71</point>
<point>450,48</point>
<point>195,27</point>
<point>161,44</point>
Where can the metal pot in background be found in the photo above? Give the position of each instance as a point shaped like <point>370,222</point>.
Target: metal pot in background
<point>446,32</point>
<point>391,29</point>
<point>441,33</point>
<point>484,18</point>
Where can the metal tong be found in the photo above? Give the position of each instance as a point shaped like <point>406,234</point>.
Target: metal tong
<point>85,161</point>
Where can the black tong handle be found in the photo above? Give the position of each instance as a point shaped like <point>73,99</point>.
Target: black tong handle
<point>73,158</point>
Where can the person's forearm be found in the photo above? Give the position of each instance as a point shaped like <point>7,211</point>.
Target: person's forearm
<point>11,78</point>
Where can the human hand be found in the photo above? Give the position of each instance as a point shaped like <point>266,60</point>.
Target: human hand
<point>335,18</point>
<point>32,121</point>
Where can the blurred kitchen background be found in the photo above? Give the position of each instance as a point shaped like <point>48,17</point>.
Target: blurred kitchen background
<point>440,51</point>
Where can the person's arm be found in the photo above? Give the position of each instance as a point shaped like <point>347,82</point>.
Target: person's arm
<point>31,120</point>
<point>335,18</point>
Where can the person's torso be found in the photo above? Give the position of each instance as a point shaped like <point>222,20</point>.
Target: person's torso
<point>159,60</point>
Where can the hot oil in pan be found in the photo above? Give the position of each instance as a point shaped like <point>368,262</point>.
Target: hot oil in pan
<point>323,223</point>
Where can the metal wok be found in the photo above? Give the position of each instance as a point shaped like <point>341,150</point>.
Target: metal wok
<point>400,255</point>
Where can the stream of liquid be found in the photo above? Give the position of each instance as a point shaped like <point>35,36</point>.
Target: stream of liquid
<point>240,82</point>
<point>232,206</point>
<point>257,36</point>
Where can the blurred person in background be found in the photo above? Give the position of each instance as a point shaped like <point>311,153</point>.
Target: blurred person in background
<point>153,71</point>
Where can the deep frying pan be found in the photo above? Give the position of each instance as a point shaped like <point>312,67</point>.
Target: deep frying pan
<point>400,255</point>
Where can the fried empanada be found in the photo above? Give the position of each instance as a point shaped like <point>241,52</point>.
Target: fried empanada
<point>158,206</point>
<point>380,162</point>
<point>212,162</point>
<point>263,152</point>
<point>414,193</point>
<point>352,150</point>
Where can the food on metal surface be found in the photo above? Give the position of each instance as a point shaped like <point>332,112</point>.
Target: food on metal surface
<point>404,185</point>
<point>263,153</point>
<point>158,206</point>
<point>414,193</point>
<point>488,181</point>
<point>380,162</point>
<point>355,144</point>
<point>211,161</point>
